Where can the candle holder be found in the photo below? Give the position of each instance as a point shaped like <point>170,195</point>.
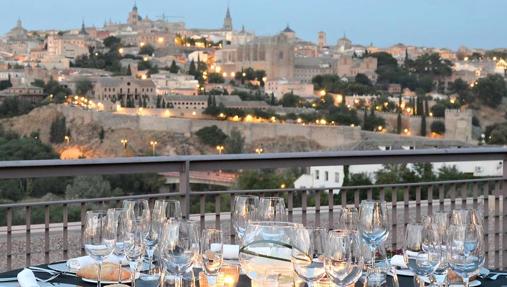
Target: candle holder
<point>227,277</point>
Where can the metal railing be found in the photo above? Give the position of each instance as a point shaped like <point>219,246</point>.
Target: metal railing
<point>314,206</point>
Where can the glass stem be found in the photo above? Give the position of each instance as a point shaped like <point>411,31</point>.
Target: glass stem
<point>466,281</point>
<point>374,249</point>
<point>133,268</point>
<point>99,274</point>
<point>119,271</point>
<point>178,281</point>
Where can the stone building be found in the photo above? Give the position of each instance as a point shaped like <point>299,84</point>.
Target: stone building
<point>307,68</point>
<point>126,90</point>
<point>458,125</point>
<point>24,91</point>
<point>349,67</point>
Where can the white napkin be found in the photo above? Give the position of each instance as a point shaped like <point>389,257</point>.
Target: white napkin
<point>77,263</point>
<point>26,278</point>
<point>231,251</point>
<point>398,261</point>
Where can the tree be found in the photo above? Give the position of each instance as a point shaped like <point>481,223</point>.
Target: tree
<point>497,134</point>
<point>358,179</point>
<point>101,134</point>
<point>83,86</point>
<point>290,100</point>
<point>5,84</point>
<point>373,122</point>
<point>174,68</point>
<point>423,125</point>
<point>363,79</point>
<point>451,173</point>
<point>438,127</point>
<point>147,50</point>
<point>215,78</point>
<point>192,69</point>
<point>58,130</point>
<point>211,136</point>
<point>491,90</point>
<point>89,187</point>
<point>235,142</point>
<point>112,42</point>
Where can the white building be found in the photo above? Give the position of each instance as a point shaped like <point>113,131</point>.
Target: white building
<point>283,86</point>
<point>170,84</point>
<point>333,176</point>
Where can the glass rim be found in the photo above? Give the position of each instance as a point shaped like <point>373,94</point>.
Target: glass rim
<point>281,224</point>
<point>272,197</point>
<point>246,196</point>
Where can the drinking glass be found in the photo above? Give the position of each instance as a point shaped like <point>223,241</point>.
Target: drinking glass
<point>459,216</point>
<point>265,252</point>
<point>151,238</point>
<point>343,261</point>
<point>137,209</point>
<point>441,221</point>
<point>373,224</point>
<point>180,248</point>
<point>465,249</point>
<point>307,251</point>
<point>150,277</point>
<point>211,249</point>
<point>134,246</point>
<point>119,219</point>
<point>99,237</point>
<point>245,207</point>
<point>349,218</point>
<point>165,209</point>
<point>420,250</point>
<point>272,209</point>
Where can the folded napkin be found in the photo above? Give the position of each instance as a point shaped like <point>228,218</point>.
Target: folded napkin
<point>77,263</point>
<point>26,278</point>
<point>398,261</point>
<point>231,251</point>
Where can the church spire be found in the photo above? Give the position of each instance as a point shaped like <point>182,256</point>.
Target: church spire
<point>228,20</point>
<point>83,29</point>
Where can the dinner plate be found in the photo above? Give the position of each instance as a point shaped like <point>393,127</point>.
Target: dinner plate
<point>61,267</point>
<point>103,281</point>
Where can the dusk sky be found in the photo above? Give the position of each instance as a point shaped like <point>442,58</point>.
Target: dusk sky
<point>436,23</point>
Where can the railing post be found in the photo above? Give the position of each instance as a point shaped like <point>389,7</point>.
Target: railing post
<point>184,187</point>
<point>504,216</point>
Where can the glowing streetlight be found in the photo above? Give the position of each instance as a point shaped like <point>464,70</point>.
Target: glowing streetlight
<point>282,186</point>
<point>220,148</point>
<point>153,146</point>
<point>67,139</point>
<point>259,150</point>
<point>322,93</point>
<point>124,142</point>
<point>380,128</point>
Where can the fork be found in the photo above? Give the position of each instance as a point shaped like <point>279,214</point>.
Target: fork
<point>49,279</point>
<point>494,276</point>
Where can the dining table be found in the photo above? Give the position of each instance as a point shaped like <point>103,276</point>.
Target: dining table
<point>244,281</point>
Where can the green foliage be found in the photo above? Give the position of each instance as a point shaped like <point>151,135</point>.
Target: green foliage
<point>438,127</point>
<point>5,84</point>
<point>451,173</point>
<point>343,116</point>
<point>235,143</point>
<point>14,106</point>
<point>423,125</point>
<point>174,68</point>
<point>89,187</point>
<point>132,184</point>
<point>58,130</point>
<point>363,79</point>
<point>291,100</point>
<point>147,65</point>
<point>497,134</point>
<point>147,50</point>
<point>358,179</point>
<point>112,42</point>
<point>192,69</point>
<point>491,90</point>
<point>83,86</point>
<point>372,122</point>
<point>216,78</point>
<point>267,178</point>
<point>101,134</point>
<point>211,136</point>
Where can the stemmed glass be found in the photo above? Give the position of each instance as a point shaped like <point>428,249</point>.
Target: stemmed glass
<point>440,220</point>
<point>99,237</point>
<point>180,248</point>
<point>421,250</point>
<point>343,261</point>
<point>272,209</point>
<point>137,209</point>
<point>244,209</point>
<point>134,246</point>
<point>373,225</point>
<point>465,247</point>
<point>348,219</point>
<point>211,250</point>
<point>307,254</point>
<point>119,219</point>
<point>165,209</point>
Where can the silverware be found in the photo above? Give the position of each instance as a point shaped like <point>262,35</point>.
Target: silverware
<point>9,279</point>
<point>494,275</point>
<point>49,279</point>
<point>51,272</point>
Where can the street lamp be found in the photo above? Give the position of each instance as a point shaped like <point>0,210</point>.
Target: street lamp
<point>124,142</point>
<point>67,139</point>
<point>153,146</point>
<point>259,150</point>
<point>220,149</point>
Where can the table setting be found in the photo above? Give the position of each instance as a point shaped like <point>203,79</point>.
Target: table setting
<point>154,246</point>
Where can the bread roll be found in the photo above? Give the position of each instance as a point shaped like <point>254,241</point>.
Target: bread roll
<point>109,272</point>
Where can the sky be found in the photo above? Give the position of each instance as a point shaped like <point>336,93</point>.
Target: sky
<point>430,23</point>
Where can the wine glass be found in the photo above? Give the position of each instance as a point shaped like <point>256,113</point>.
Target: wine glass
<point>180,248</point>
<point>151,238</point>
<point>211,249</point>
<point>119,219</point>
<point>137,209</point>
<point>243,211</point>
<point>348,218</point>
<point>440,220</point>
<point>134,246</point>
<point>165,209</point>
<point>265,252</point>
<point>343,261</point>
<point>465,249</point>
<point>373,225</point>
<point>272,209</point>
<point>307,251</point>
<point>421,250</point>
<point>99,237</point>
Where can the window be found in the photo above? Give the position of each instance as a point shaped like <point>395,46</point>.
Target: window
<point>337,177</point>
<point>317,176</point>
<point>326,176</point>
